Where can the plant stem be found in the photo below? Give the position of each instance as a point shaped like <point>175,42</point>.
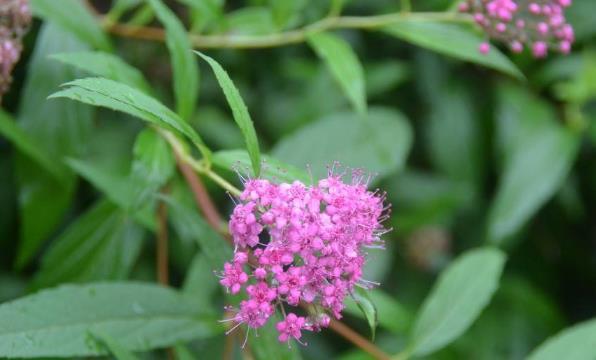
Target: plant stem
<point>162,243</point>
<point>287,37</point>
<point>358,340</point>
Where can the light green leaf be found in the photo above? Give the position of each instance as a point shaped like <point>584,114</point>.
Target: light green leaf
<point>74,17</point>
<point>58,128</point>
<point>105,65</point>
<point>250,21</point>
<point>266,346</point>
<point>463,290</point>
<point>184,66</point>
<point>394,316</point>
<point>238,160</point>
<point>452,40</point>
<point>538,155</point>
<point>60,322</point>
<point>116,96</point>
<point>27,146</point>
<point>153,165</point>
<point>239,111</point>
<point>114,346</point>
<point>378,143</point>
<point>367,307</point>
<point>344,65</point>
<point>102,244</point>
<point>575,343</point>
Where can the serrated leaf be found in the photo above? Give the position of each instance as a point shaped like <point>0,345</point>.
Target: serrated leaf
<point>343,64</point>
<point>239,160</point>
<point>102,244</point>
<point>73,16</point>
<point>463,290</point>
<point>105,65</point>
<point>153,165</point>
<point>60,322</point>
<point>59,128</point>
<point>239,111</point>
<point>378,142</point>
<point>184,67</point>
<point>117,96</point>
<point>367,307</point>
<point>453,40</point>
<point>575,343</point>
<point>25,145</point>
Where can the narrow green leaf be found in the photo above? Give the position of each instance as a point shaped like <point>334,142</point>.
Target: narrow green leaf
<point>463,290</point>
<point>184,66</point>
<point>27,146</point>
<point>344,65</point>
<point>367,307</point>
<point>239,111</point>
<point>394,316</point>
<point>73,16</point>
<point>200,283</point>
<point>60,322</point>
<point>116,96</point>
<point>453,40</point>
<point>153,165</point>
<point>59,129</point>
<point>114,346</point>
<point>575,343</point>
<point>183,353</point>
<point>379,145</point>
<point>238,160</point>
<point>105,65</point>
<point>102,244</point>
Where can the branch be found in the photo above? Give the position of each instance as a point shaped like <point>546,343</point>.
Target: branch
<point>357,339</point>
<point>284,38</point>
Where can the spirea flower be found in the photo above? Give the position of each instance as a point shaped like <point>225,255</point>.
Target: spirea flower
<point>539,25</point>
<point>15,18</point>
<point>301,245</point>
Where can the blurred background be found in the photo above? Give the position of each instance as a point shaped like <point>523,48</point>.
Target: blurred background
<point>467,156</point>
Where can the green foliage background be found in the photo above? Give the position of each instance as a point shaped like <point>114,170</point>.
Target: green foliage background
<point>475,153</point>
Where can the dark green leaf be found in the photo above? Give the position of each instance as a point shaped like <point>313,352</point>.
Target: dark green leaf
<point>184,66</point>
<point>183,353</point>
<point>344,65</point>
<point>60,322</point>
<point>452,40</point>
<point>102,244</point>
<point>575,343</point>
<point>105,65</point>
<point>121,97</point>
<point>73,16</point>
<point>238,160</point>
<point>463,290</point>
<point>378,143</point>
<point>367,307</point>
<point>393,315</point>
<point>240,112</point>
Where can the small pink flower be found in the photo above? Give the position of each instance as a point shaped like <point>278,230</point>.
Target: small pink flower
<point>290,327</point>
<point>484,48</point>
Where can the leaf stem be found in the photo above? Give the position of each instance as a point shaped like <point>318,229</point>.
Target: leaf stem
<point>358,340</point>
<point>288,37</point>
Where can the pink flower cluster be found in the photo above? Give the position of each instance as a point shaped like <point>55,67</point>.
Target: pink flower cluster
<point>539,25</point>
<point>15,18</point>
<point>301,245</point>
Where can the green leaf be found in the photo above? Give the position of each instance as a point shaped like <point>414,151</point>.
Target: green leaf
<point>239,111</point>
<point>184,66</point>
<point>116,96</point>
<point>378,142</point>
<point>238,160</point>
<point>575,343</point>
<point>105,65</point>
<point>183,353</point>
<point>114,346</point>
<point>538,155</point>
<point>102,244</point>
<point>394,316</point>
<point>266,346</point>
<point>452,40</point>
<point>74,17</point>
<point>344,65</point>
<point>463,290</point>
<point>27,146</point>
<point>250,20</point>
<point>367,307</point>
<point>60,322</point>
<point>153,165</point>
<point>200,282</point>
<point>58,128</point>
<point>118,189</point>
